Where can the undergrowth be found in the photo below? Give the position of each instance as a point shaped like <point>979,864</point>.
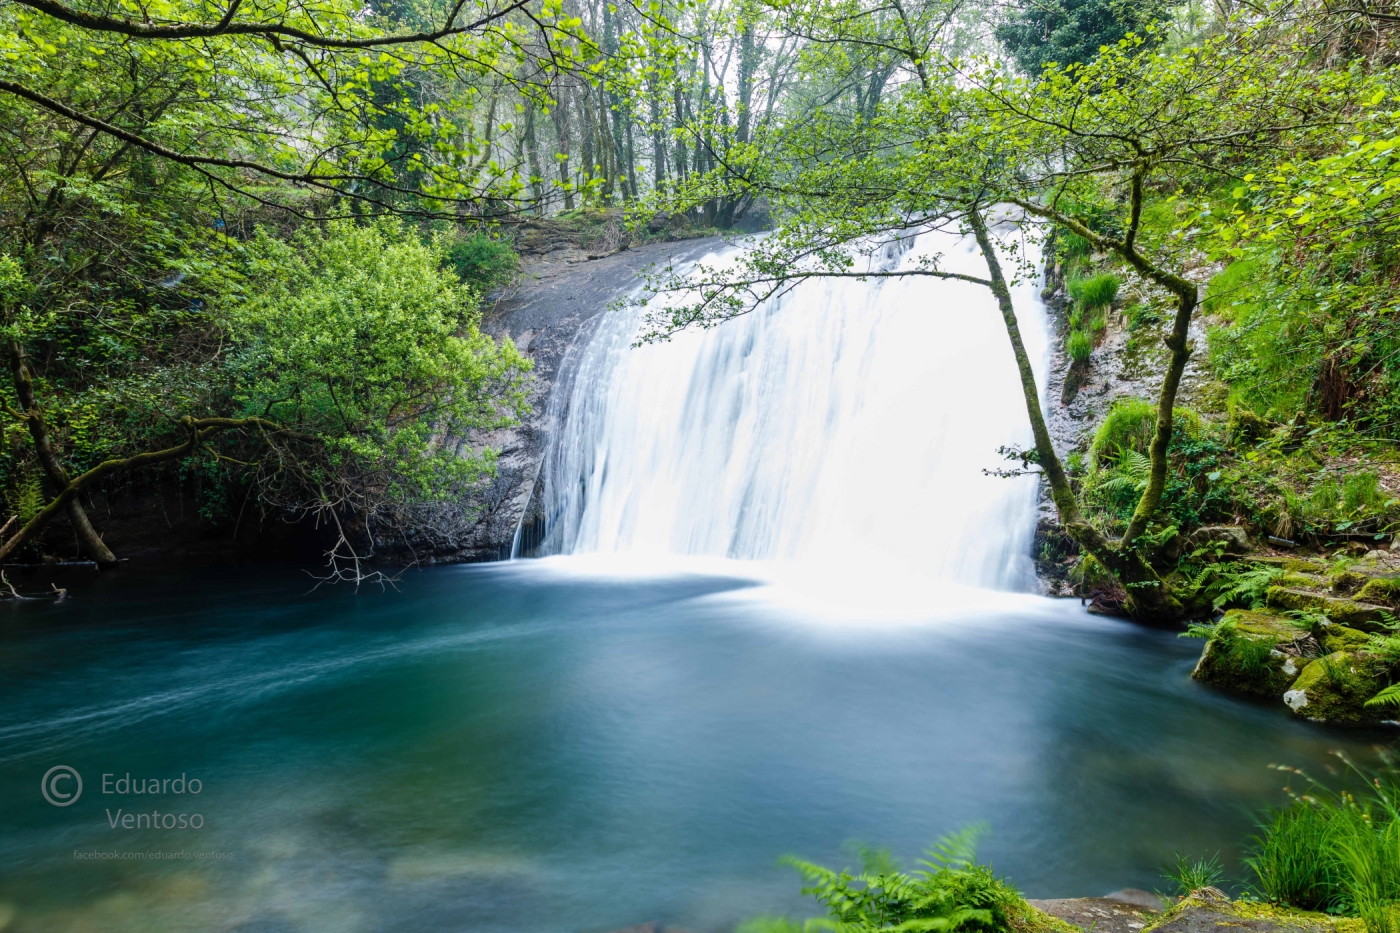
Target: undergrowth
<point>951,892</point>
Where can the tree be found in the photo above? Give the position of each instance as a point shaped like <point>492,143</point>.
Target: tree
<point>338,374</point>
<point>1078,149</point>
<point>136,152</point>
<point>1071,32</point>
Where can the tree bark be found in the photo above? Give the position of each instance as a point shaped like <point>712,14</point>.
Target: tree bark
<point>1149,598</point>
<point>48,459</point>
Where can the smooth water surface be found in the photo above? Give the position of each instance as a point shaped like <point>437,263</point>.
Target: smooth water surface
<point>550,746</point>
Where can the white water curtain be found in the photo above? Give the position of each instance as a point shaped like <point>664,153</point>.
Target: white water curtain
<point>847,423</point>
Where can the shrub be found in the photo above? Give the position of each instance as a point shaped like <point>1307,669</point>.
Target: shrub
<point>1073,249</point>
<point>1292,858</point>
<point>1130,424</point>
<point>1079,345</point>
<point>356,335</point>
<point>481,262</point>
<point>1096,292</point>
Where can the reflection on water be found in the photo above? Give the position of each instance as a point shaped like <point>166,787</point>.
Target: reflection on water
<point>549,746</point>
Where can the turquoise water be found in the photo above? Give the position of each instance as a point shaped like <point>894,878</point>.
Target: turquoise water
<point>547,746</point>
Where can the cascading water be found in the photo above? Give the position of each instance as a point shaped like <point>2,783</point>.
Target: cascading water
<point>846,423</point>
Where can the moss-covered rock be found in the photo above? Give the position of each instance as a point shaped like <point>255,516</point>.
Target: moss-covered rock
<point>1384,590</point>
<point>1341,638</point>
<point>1242,654</point>
<point>1346,582</point>
<point>1335,688</point>
<point>1298,565</point>
<point>1305,581</point>
<point>1262,622</point>
<point>1210,911</point>
<point>1340,610</point>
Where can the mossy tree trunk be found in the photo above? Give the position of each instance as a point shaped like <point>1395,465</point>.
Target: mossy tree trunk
<point>1149,596</point>
<point>33,417</point>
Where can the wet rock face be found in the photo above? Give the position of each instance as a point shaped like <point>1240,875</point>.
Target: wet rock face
<point>549,313</point>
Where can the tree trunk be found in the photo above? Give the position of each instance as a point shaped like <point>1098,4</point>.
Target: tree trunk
<point>1149,597</point>
<point>48,459</point>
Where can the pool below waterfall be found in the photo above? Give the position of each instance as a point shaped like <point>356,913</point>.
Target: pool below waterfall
<point>569,745</point>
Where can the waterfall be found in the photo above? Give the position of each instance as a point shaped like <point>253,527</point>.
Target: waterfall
<point>845,423</point>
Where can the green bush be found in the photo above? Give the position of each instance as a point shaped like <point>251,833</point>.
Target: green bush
<point>357,336</point>
<point>482,262</point>
<point>1096,292</point>
<point>1072,248</point>
<point>1079,345</point>
<point>1130,424</point>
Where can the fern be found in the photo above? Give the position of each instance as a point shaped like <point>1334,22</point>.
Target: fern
<point>1390,696</point>
<point>1131,470</point>
<point>1237,584</point>
<point>951,894</point>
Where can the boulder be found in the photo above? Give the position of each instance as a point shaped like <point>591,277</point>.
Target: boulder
<point>1384,590</point>
<point>1210,911</point>
<point>1342,638</point>
<point>1340,610</point>
<point>1252,652</point>
<point>1335,688</point>
<point>1235,538</point>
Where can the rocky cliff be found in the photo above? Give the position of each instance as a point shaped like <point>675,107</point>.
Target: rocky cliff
<point>549,313</point>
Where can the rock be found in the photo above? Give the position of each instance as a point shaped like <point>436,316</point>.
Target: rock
<point>1346,582</point>
<point>1257,653</point>
<point>1137,897</point>
<point>1343,611</point>
<point>1100,914</point>
<point>1210,911</point>
<point>1301,580</point>
<point>1244,427</point>
<point>1335,687</point>
<point>1342,638</point>
<point>1380,590</point>
<point>1235,538</point>
<point>1299,565</point>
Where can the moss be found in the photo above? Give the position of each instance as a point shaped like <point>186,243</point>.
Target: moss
<point>1262,622</point>
<point>1244,427</point>
<point>1022,917</point>
<point>1341,638</point>
<point>1282,918</point>
<point>1384,590</point>
<point>1341,611</point>
<point>1130,424</point>
<point>1347,581</point>
<point>1298,565</point>
<point>1334,688</point>
<point>1240,656</point>
<point>1303,580</point>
